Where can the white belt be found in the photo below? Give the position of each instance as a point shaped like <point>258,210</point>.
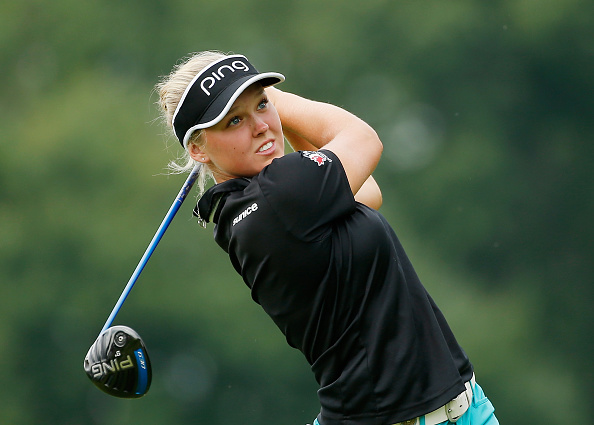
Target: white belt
<point>451,411</point>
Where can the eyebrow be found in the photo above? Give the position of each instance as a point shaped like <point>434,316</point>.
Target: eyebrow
<point>232,110</point>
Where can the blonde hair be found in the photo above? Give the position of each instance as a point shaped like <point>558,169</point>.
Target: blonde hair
<point>171,89</point>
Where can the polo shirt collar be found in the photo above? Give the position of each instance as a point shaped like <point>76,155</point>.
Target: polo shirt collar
<point>208,207</point>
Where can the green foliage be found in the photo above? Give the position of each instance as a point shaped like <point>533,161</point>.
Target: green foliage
<point>485,112</point>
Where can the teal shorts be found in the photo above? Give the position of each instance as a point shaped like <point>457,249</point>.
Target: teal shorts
<point>480,412</point>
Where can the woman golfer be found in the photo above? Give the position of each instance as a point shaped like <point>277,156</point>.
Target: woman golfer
<point>303,232</point>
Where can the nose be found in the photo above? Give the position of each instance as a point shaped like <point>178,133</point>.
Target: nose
<point>260,126</point>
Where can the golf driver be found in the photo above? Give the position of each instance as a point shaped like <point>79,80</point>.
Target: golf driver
<point>117,362</point>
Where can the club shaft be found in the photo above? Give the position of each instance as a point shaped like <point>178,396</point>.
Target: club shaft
<point>151,248</point>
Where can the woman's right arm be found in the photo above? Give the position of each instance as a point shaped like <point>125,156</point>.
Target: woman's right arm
<point>321,125</point>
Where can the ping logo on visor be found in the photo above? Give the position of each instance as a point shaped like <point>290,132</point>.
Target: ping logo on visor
<point>208,82</point>
<point>211,93</point>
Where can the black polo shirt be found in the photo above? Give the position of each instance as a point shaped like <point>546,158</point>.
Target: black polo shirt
<point>333,276</point>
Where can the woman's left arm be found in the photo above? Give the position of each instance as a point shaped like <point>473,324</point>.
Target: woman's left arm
<point>310,125</point>
<point>369,194</point>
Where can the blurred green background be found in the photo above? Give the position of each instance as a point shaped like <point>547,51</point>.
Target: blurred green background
<point>486,114</point>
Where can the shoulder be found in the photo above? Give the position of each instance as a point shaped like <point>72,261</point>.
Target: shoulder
<point>301,168</point>
<point>303,177</point>
<point>307,190</point>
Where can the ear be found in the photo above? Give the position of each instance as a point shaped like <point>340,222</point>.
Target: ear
<point>197,153</point>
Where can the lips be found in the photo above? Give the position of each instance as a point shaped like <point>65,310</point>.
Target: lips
<point>266,146</point>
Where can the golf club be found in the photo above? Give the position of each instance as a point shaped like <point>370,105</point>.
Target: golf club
<point>117,362</point>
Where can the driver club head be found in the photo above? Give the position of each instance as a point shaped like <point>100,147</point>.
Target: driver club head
<point>118,363</point>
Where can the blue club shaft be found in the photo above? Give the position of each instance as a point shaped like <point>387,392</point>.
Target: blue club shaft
<point>151,248</point>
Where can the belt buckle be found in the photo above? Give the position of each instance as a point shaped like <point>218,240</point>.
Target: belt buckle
<point>457,407</point>
<point>409,422</point>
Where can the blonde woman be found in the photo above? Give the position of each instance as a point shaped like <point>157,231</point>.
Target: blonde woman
<point>303,231</point>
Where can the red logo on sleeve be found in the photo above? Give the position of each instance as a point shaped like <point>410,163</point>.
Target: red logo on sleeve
<point>317,157</point>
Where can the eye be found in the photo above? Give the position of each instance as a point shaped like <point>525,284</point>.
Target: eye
<point>263,103</point>
<point>234,121</point>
